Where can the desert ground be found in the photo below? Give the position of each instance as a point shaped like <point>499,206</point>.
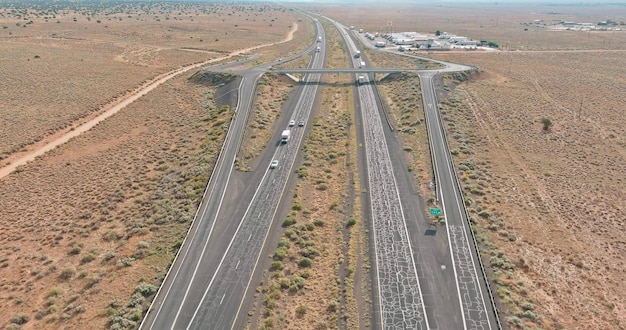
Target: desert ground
<point>88,230</point>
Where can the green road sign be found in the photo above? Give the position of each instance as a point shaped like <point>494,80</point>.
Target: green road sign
<point>435,211</point>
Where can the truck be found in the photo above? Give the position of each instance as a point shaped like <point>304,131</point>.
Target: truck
<point>318,49</point>
<point>381,44</point>
<point>319,39</point>
<point>357,54</point>
<point>361,79</point>
<point>362,64</point>
<point>285,136</point>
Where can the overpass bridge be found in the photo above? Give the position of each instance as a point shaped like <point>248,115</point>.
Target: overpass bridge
<point>350,70</point>
<point>385,71</point>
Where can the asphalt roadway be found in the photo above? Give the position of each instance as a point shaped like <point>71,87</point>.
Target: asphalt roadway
<point>454,293</point>
<point>207,282</point>
<point>418,283</point>
<point>477,311</point>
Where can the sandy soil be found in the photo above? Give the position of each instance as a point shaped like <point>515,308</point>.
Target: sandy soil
<point>65,67</point>
<point>553,197</point>
<point>93,219</point>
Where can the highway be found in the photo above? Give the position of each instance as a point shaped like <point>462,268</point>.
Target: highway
<point>421,280</point>
<point>477,312</point>
<point>348,70</point>
<point>226,291</point>
<point>453,293</point>
<point>397,285</point>
<point>210,276</point>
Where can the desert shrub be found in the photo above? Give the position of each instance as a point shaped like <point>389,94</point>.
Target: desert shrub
<point>283,242</point>
<point>310,252</point>
<point>75,250</point>
<point>145,289</point>
<point>547,123</point>
<point>280,254</point>
<point>289,221</point>
<point>67,273</point>
<point>93,280</point>
<point>529,315</point>
<point>89,257</point>
<point>301,310</point>
<point>20,318</point>
<point>128,261</point>
<point>351,222</point>
<point>319,222</point>
<point>54,292</point>
<point>108,256</point>
<point>277,265</point>
<point>333,306</point>
<point>305,262</point>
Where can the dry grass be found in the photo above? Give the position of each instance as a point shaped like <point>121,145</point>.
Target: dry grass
<point>99,219</point>
<point>558,194</point>
<point>124,194</point>
<point>57,70</point>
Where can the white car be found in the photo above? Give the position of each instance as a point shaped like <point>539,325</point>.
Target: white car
<point>274,163</point>
<point>292,123</point>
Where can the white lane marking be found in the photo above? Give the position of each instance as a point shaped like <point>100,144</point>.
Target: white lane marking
<point>221,162</point>
<point>222,298</point>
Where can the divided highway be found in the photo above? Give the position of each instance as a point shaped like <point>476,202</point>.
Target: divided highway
<point>212,276</point>
<point>224,295</point>
<point>465,288</point>
<point>206,286</point>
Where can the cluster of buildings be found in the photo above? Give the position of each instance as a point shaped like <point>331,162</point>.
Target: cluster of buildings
<point>408,40</point>
<point>556,25</point>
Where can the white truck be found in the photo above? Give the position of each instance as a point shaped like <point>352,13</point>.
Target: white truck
<point>318,49</point>
<point>362,64</point>
<point>357,54</point>
<point>361,79</point>
<point>285,136</point>
<point>381,44</point>
<point>319,39</point>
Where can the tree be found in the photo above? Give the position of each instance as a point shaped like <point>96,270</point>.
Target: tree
<point>547,123</point>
